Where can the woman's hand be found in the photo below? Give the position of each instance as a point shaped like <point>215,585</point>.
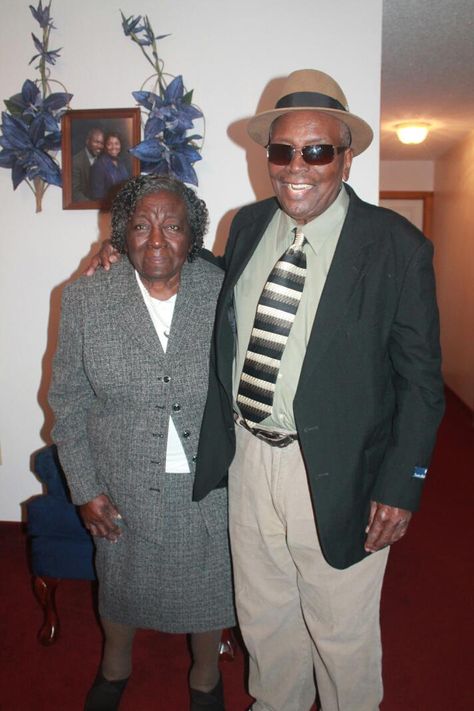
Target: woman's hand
<point>107,256</point>
<point>100,518</point>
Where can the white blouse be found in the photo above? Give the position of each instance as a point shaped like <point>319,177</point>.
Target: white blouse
<point>161,313</point>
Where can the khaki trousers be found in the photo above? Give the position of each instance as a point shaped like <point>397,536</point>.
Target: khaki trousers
<point>297,614</point>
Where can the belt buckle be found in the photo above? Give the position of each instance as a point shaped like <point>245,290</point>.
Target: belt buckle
<point>274,439</point>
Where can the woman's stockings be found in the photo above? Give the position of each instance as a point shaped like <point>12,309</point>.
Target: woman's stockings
<point>204,673</point>
<point>117,658</point>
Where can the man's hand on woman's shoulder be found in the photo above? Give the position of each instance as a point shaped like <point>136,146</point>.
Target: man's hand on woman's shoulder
<point>104,258</point>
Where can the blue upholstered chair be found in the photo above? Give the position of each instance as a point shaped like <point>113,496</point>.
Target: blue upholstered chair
<point>60,545</point>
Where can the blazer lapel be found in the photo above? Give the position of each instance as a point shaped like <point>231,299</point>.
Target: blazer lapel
<point>188,307</point>
<point>348,267</point>
<point>246,241</point>
<point>130,309</point>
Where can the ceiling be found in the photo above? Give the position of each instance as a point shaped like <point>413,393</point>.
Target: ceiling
<point>427,74</point>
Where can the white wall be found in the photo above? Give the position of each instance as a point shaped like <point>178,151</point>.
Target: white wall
<point>227,52</point>
<point>407,175</point>
<point>453,236</point>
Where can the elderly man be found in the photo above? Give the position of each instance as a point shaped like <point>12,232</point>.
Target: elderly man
<point>82,162</point>
<point>324,401</point>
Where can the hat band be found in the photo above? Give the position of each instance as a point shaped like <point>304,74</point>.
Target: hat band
<point>309,98</point>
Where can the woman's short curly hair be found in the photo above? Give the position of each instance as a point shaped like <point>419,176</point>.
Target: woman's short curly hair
<point>135,189</point>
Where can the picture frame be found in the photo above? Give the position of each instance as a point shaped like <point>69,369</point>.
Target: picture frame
<point>95,157</point>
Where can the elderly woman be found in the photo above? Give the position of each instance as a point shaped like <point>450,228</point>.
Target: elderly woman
<point>128,391</point>
<point>108,169</point>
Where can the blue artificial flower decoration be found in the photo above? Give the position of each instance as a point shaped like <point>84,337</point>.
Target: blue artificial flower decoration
<point>46,56</point>
<point>31,125</point>
<point>132,28</point>
<point>25,150</point>
<point>166,149</point>
<point>42,16</point>
<point>30,103</point>
<point>131,25</point>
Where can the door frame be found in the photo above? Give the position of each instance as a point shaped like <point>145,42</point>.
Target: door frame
<point>424,195</point>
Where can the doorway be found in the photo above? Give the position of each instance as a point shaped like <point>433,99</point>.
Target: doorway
<point>416,206</point>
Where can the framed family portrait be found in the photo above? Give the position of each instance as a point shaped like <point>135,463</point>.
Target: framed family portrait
<point>95,157</point>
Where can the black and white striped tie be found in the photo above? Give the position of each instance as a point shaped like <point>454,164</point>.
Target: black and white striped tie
<point>276,311</point>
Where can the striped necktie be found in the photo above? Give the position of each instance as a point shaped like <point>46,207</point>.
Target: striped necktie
<point>276,311</point>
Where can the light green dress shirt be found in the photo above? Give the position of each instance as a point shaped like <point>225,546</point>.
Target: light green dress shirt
<point>322,235</point>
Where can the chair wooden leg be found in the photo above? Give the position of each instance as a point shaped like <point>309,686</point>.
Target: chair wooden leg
<point>45,591</point>
<point>227,646</point>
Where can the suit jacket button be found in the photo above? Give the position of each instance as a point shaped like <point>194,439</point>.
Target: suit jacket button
<point>166,379</point>
<point>176,407</point>
<point>194,458</point>
<point>186,434</point>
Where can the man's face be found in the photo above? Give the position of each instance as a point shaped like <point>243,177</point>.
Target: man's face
<point>95,143</point>
<point>306,191</point>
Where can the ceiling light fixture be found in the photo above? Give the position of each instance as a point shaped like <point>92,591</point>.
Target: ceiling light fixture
<point>412,131</point>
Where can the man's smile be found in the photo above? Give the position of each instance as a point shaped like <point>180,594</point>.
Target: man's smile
<point>296,190</point>
<point>298,186</point>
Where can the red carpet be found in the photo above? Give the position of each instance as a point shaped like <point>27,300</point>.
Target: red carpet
<point>427,615</point>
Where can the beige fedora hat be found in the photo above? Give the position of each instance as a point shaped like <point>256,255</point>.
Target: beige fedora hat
<point>311,89</point>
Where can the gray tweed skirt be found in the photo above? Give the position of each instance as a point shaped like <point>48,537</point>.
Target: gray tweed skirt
<point>181,583</point>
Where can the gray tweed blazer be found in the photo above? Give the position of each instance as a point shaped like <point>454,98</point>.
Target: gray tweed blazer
<point>114,389</point>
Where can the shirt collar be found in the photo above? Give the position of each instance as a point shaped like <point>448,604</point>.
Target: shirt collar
<point>317,231</point>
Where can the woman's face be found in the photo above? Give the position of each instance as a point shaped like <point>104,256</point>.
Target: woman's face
<point>159,237</point>
<point>113,146</point>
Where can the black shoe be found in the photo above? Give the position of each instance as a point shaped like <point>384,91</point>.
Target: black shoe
<point>208,701</point>
<point>105,695</point>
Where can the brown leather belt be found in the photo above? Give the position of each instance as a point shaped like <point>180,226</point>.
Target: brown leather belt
<point>274,439</point>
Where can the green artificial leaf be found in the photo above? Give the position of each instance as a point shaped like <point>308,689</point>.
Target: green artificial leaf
<point>188,97</point>
<point>12,107</point>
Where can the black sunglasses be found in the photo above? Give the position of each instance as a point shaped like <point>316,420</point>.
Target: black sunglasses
<point>317,154</point>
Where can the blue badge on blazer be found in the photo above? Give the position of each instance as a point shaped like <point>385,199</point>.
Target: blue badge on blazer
<point>419,473</point>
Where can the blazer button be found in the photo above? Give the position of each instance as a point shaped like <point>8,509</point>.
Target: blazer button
<point>194,459</point>
<point>176,407</point>
<point>186,434</point>
<point>166,379</point>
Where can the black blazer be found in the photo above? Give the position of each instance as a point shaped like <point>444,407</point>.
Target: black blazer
<point>81,169</point>
<point>370,394</point>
